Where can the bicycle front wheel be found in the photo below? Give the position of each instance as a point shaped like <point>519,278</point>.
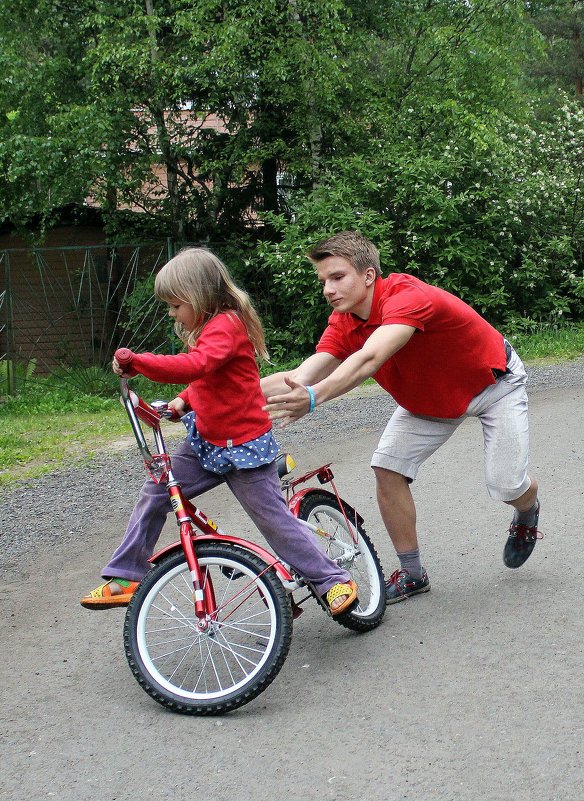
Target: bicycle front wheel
<point>358,557</point>
<point>213,670</point>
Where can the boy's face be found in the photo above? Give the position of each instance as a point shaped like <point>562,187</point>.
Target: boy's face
<point>344,288</point>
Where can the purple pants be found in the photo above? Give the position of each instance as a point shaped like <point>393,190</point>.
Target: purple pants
<point>257,490</point>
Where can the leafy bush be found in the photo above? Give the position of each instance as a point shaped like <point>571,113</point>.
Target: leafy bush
<point>492,213</point>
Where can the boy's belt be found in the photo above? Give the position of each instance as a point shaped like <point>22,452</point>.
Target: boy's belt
<point>508,352</point>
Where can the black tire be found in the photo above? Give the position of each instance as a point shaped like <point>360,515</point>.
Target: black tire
<point>212,672</point>
<point>359,559</point>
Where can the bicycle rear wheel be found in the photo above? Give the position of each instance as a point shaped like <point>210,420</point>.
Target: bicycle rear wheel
<point>358,558</point>
<point>240,653</point>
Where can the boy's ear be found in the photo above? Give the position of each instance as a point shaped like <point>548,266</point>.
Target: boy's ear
<point>370,276</point>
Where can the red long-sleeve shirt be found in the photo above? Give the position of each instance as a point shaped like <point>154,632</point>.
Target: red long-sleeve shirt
<point>223,381</point>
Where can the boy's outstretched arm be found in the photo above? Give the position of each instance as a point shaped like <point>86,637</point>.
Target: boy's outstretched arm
<point>381,345</point>
<point>311,370</point>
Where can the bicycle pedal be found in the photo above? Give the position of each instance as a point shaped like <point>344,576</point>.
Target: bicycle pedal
<point>296,610</point>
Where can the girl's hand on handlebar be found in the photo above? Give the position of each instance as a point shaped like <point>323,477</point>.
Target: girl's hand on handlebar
<point>122,363</point>
<point>126,372</point>
<point>179,407</point>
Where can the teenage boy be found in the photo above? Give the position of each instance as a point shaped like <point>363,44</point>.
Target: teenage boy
<point>442,362</point>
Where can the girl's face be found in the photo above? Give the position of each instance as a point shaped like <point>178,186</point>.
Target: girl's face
<point>183,313</point>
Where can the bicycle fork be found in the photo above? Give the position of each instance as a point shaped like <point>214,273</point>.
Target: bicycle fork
<point>203,596</point>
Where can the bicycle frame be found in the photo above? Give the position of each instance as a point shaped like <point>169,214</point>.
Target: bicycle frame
<point>209,627</point>
<point>188,516</point>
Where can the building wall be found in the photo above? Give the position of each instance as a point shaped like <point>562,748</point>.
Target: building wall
<point>65,297</point>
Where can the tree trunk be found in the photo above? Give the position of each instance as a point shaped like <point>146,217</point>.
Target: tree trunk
<point>578,60</point>
<point>177,221</point>
<point>315,126</point>
<point>270,185</point>
<point>316,152</point>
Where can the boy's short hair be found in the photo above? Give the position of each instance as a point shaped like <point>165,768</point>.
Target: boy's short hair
<point>349,245</point>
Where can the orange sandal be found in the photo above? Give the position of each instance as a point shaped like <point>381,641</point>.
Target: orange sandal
<point>336,591</point>
<point>102,597</point>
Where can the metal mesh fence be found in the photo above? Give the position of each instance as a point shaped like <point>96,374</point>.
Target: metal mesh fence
<point>64,310</point>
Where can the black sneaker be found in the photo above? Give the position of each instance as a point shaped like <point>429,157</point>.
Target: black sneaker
<point>521,542</point>
<point>401,585</point>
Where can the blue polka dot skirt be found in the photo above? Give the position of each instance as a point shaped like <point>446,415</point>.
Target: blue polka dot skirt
<point>219,459</point>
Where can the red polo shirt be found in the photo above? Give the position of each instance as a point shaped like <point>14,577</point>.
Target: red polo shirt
<point>224,384</point>
<point>447,361</point>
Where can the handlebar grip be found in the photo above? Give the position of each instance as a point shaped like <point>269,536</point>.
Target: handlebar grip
<point>124,357</point>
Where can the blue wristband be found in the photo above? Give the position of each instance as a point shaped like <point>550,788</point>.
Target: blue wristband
<point>312,397</point>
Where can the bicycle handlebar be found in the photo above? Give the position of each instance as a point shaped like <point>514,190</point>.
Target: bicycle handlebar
<point>123,357</point>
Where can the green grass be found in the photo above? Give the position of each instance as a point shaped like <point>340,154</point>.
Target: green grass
<point>39,435</point>
<point>549,344</point>
<point>31,445</point>
<point>48,426</point>
<point>66,420</point>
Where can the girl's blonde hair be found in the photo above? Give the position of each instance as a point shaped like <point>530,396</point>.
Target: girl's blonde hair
<point>198,277</point>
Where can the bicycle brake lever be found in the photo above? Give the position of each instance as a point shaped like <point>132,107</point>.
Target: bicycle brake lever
<point>164,411</point>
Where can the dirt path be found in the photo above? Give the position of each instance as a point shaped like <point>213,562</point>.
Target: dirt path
<point>472,692</point>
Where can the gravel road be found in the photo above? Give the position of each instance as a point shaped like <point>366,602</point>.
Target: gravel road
<point>472,692</point>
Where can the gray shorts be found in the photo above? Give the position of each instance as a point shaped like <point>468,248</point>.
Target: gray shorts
<point>408,439</point>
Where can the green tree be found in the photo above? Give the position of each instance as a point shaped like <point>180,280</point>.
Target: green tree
<point>458,182</point>
<point>412,120</point>
<point>39,58</point>
<point>561,23</point>
<point>185,111</point>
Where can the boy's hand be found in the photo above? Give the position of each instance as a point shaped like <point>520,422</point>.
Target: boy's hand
<point>289,407</point>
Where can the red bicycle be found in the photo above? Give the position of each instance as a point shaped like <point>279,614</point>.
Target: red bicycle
<point>210,625</point>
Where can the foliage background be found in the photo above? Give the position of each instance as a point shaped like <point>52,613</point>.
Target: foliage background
<point>450,132</point>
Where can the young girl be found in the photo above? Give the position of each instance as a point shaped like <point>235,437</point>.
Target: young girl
<point>229,434</point>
